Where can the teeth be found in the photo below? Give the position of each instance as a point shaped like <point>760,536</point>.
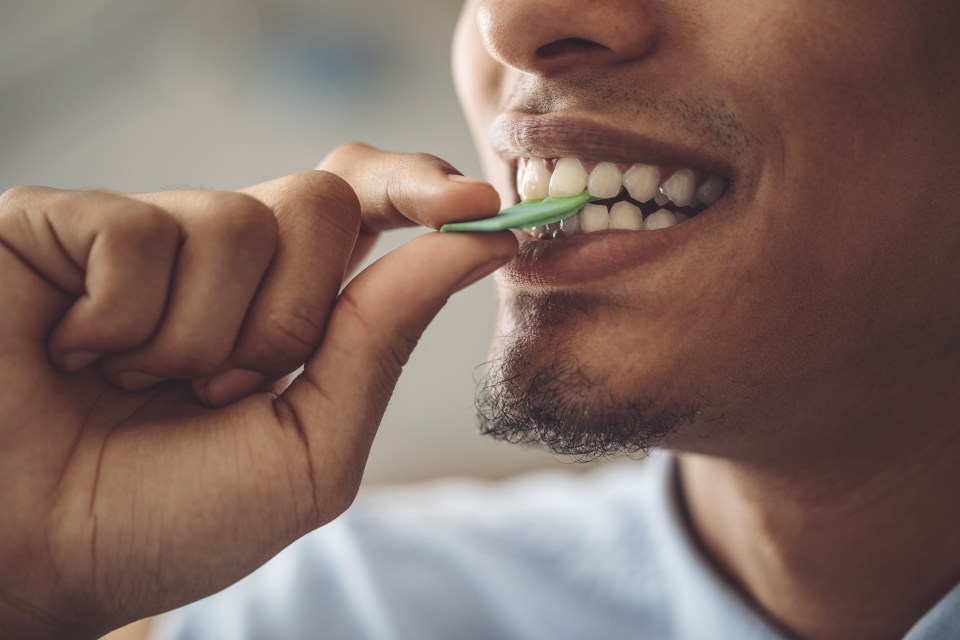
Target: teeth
<point>535,184</point>
<point>571,226</point>
<point>680,187</point>
<point>624,215</point>
<point>641,181</point>
<point>605,181</point>
<point>594,217</point>
<point>659,220</point>
<point>569,178</point>
<point>710,191</point>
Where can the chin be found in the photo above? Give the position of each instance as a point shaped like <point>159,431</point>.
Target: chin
<point>567,372</point>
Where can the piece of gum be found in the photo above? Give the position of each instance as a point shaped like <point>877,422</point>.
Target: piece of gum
<point>530,213</point>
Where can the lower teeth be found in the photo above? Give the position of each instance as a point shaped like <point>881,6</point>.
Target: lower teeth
<point>621,212</point>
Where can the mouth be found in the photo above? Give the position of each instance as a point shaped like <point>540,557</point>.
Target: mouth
<point>635,197</point>
<point>648,196</point>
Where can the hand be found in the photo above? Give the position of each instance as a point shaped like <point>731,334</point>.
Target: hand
<point>146,458</point>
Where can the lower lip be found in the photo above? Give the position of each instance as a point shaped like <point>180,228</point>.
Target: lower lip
<point>597,255</point>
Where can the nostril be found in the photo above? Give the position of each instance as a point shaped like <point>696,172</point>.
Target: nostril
<point>566,46</point>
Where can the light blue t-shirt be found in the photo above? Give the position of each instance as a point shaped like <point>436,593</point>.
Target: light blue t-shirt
<point>549,556</point>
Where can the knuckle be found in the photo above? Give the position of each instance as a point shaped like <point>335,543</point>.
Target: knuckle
<point>346,153</point>
<point>426,160</point>
<point>318,205</point>
<point>420,164</point>
<point>286,339</point>
<point>17,227</point>
<point>20,195</point>
<point>240,220</point>
<point>327,196</point>
<point>158,224</point>
<point>321,185</point>
<point>407,194</point>
<point>143,223</point>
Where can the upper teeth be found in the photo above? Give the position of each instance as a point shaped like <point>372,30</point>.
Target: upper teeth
<point>569,178</point>
<point>679,187</point>
<point>535,181</point>
<point>605,181</point>
<point>641,181</point>
<point>649,186</point>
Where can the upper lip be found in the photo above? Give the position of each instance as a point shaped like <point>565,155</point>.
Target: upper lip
<point>557,135</point>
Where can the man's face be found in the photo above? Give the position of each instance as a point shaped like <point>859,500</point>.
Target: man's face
<point>819,289</point>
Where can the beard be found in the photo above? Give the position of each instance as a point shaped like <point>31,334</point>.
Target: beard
<point>538,390</point>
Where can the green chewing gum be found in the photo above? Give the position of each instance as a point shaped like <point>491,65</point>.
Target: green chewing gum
<point>531,213</point>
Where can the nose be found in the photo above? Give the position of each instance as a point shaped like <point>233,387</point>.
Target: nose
<point>547,37</point>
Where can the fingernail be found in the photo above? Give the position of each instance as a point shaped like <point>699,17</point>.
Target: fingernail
<point>76,360</point>
<point>232,385</point>
<point>480,272</point>
<point>136,381</point>
<point>456,177</point>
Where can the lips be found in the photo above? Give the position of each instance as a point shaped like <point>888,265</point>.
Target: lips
<point>517,135</point>
<point>574,150</point>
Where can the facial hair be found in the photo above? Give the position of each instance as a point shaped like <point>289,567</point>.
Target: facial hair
<point>527,398</point>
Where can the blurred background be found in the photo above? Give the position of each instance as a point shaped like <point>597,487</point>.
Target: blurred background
<point>153,94</point>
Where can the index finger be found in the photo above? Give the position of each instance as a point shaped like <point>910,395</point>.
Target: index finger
<point>402,190</point>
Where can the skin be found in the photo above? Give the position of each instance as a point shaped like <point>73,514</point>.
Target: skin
<point>125,471</point>
<point>815,328</point>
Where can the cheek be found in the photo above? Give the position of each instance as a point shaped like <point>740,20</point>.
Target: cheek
<point>482,84</point>
<point>827,88</point>
<point>816,66</point>
<point>477,76</point>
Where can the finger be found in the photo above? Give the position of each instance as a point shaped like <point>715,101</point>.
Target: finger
<point>319,218</point>
<point>318,230</point>
<point>339,399</point>
<point>110,253</point>
<point>398,190</point>
<point>228,242</point>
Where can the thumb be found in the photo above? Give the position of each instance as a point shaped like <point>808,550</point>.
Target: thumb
<point>372,330</point>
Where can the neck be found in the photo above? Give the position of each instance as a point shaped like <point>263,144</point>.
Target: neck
<point>853,548</point>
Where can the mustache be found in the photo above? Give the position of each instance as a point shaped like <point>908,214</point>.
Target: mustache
<point>709,117</point>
